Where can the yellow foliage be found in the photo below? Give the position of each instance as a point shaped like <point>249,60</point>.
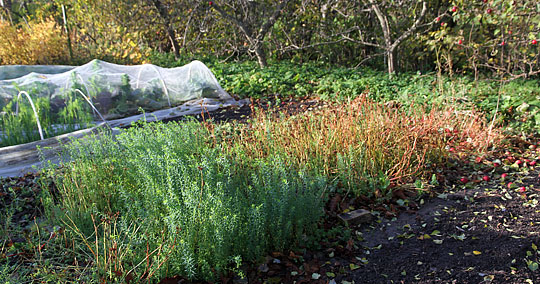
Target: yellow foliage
<point>39,42</point>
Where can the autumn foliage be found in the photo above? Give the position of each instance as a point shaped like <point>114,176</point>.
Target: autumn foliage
<point>39,42</point>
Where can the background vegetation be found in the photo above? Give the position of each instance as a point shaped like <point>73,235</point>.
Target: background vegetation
<point>467,36</point>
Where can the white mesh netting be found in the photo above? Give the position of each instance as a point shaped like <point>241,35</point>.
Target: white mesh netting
<point>115,90</point>
<point>59,101</point>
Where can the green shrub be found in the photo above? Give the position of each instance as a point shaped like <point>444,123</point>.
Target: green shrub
<point>198,213</point>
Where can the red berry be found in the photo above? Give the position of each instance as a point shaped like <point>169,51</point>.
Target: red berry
<point>210,3</point>
<point>489,10</point>
<point>460,42</point>
<point>522,189</point>
<point>496,164</point>
<point>510,184</point>
<point>504,175</point>
<point>503,43</point>
<point>451,150</point>
<point>438,19</point>
<point>485,178</point>
<point>485,1</point>
<point>534,41</point>
<point>443,24</point>
<point>464,180</point>
<point>532,164</point>
<point>519,162</point>
<point>454,9</point>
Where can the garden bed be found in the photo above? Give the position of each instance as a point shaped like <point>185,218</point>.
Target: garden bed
<point>421,234</point>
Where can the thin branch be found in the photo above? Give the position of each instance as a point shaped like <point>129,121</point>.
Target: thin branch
<point>247,31</point>
<point>272,20</point>
<point>413,28</point>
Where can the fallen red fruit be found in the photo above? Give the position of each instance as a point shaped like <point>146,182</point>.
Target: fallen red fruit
<point>464,180</point>
<point>496,164</point>
<point>504,175</point>
<point>489,10</point>
<point>532,164</point>
<point>522,189</point>
<point>210,3</point>
<point>519,162</point>
<point>510,184</point>
<point>485,178</point>
<point>451,150</point>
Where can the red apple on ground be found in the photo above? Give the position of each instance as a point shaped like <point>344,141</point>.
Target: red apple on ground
<point>504,175</point>
<point>485,178</point>
<point>464,180</point>
<point>522,189</point>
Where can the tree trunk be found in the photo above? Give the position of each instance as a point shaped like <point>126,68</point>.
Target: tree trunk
<point>6,5</point>
<point>391,61</point>
<point>261,56</point>
<point>174,43</point>
<point>171,34</point>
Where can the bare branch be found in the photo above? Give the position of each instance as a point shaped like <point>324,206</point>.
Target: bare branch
<point>413,28</point>
<point>272,20</point>
<point>247,31</point>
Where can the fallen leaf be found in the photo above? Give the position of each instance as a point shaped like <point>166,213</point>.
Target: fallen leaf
<point>475,252</point>
<point>330,274</point>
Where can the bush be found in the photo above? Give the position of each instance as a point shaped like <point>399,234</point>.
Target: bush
<point>179,204</point>
<point>39,42</point>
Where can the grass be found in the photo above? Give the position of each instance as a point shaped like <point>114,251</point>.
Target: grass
<point>365,147</point>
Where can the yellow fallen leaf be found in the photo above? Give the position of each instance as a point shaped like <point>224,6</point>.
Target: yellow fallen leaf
<point>475,252</point>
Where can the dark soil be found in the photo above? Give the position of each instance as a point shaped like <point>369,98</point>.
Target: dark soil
<point>477,232</point>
